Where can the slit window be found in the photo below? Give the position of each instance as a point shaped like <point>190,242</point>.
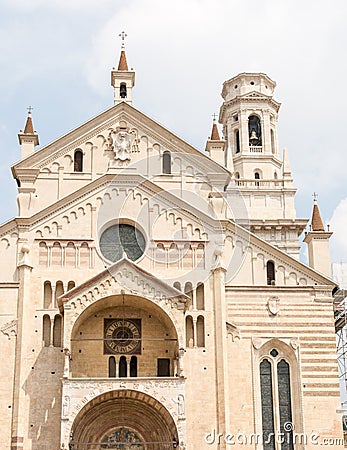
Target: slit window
<point>270,273</point>
<point>167,163</point>
<point>112,367</point>
<point>78,161</point>
<point>123,367</point>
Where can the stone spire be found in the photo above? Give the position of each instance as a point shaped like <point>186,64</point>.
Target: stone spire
<point>123,64</point>
<point>316,222</point>
<point>122,79</point>
<point>29,127</point>
<point>215,146</point>
<point>28,139</point>
<point>215,132</point>
<point>317,240</point>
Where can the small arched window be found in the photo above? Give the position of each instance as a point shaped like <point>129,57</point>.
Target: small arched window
<point>257,177</point>
<point>200,331</point>
<point>167,162</point>
<point>254,131</point>
<point>237,141</point>
<point>123,367</point>
<point>70,285</point>
<point>188,290</point>
<point>59,290</point>
<point>112,367</point>
<point>57,330</point>
<point>177,285</point>
<point>200,297</point>
<point>189,332</point>
<point>78,161</point>
<point>47,295</point>
<point>46,330</point>
<point>237,175</point>
<point>123,90</point>
<point>270,273</point>
<point>133,366</point>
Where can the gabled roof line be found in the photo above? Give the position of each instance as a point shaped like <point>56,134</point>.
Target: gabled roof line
<point>100,119</point>
<point>110,273</point>
<point>282,255</point>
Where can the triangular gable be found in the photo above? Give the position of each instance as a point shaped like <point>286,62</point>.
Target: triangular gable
<point>99,123</point>
<point>126,276</point>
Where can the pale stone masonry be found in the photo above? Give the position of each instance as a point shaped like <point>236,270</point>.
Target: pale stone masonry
<point>151,294</point>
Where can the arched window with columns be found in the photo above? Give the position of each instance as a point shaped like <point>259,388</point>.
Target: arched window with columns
<point>279,393</point>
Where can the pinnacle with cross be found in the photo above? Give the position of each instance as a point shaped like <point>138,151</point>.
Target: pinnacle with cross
<point>315,197</point>
<point>30,108</point>
<point>123,35</point>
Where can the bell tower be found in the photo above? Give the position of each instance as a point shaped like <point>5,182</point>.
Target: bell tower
<point>122,79</point>
<point>249,116</point>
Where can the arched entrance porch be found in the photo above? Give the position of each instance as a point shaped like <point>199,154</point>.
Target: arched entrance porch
<point>124,419</point>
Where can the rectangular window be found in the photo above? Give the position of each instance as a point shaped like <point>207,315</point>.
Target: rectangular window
<point>163,367</point>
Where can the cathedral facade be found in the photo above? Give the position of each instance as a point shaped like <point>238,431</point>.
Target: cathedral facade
<point>151,293</point>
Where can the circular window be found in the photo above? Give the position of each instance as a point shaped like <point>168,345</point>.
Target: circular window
<point>122,238</point>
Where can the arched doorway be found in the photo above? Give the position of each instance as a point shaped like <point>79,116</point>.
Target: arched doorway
<point>124,420</point>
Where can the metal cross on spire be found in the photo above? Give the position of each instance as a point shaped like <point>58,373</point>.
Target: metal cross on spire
<point>123,35</point>
<point>30,108</point>
<point>315,197</point>
<point>214,115</point>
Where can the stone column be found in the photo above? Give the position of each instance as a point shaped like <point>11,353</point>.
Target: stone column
<point>222,383</point>
<point>19,430</point>
<point>194,332</point>
<point>51,332</point>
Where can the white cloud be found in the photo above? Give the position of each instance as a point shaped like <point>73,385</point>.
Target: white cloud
<point>182,52</point>
<point>338,224</point>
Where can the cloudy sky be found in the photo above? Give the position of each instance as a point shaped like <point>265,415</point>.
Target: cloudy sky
<point>56,55</point>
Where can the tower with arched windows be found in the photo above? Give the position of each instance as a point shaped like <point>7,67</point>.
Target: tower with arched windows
<point>249,117</point>
<point>138,312</point>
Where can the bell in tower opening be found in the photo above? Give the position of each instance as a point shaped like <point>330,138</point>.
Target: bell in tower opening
<point>254,131</point>
<point>123,90</point>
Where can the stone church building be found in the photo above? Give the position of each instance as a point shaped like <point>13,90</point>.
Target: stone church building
<point>151,294</point>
